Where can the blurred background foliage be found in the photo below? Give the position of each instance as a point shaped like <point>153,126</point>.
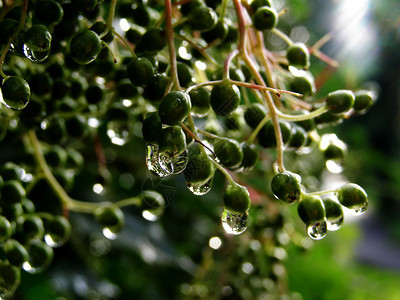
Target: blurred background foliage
<point>176,256</point>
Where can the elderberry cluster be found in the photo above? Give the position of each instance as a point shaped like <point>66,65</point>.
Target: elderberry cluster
<point>195,76</point>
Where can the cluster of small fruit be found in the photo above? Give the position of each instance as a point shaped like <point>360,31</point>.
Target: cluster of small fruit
<point>62,81</point>
<point>27,237</point>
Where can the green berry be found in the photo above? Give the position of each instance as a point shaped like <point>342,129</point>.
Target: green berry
<point>155,90</point>
<point>302,83</point>
<point>311,209</point>
<point>12,192</point>
<point>5,229</point>
<point>286,186</point>
<point>16,92</point>
<point>40,255</point>
<point>172,141</point>
<point>30,227</point>
<point>99,27</point>
<point>151,128</point>
<point>250,156</point>
<point>219,32</point>
<point>266,136</point>
<point>265,18</point>
<point>254,114</point>
<point>228,152</point>
<point>110,217</point>
<point>95,93</point>
<point>224,99</point>
<point>333,213</point>
<point>202,18</point>
<point>236,198</point>
<point>200,99</point>
<point>363,100</point>
<point>153,40</point>
<point>15,253</point>
<point>10,279</point>
<point>174,108</point>
<point>85,47</point>
<point>256,4</point>
<point>58,231</point>
<point>38,38</point>
<point>140,71</point>
<point>49,12</point>
<point>340,101</point>
<point>299,137</point>
<point>298,56</point>
<point>199,170</point>
<point>11,171</point>
<point>353,196</point>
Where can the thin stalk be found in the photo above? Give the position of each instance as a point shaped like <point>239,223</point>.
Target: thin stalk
<point>255,132</point>
<point>295,118</point>
<point>225,74</point>
<point>171,46</point>
<point>283,36</point>
<point>125,42</point>
<point>110,18</point>
<point>222,169</point>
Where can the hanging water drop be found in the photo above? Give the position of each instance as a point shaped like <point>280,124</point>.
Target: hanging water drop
<point>335,224</point>
<point>173,164</point>
<point>200,189</point>
<point>152,161</point>
<point>360,210</point>
<point>118,132</point>
<point>35,56</point>
<point>317,231</point>
<point>234,223</point>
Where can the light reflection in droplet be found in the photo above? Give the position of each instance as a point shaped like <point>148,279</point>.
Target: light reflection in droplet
<point>215,243</point>
<point>124,24</point>
<point>98,189</point>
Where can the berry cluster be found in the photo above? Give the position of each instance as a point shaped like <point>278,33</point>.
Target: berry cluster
<point>198,78</point>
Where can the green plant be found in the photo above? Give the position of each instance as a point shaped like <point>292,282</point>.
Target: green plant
<point>68,78</point>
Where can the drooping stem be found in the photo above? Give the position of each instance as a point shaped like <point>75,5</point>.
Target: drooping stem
<point>225,74</point>
<point>255,132</point>
<point>125,42</point>
<point>283,36</point>
<point>171,46</point>
<point>110,18</point>
<point>222,169</point>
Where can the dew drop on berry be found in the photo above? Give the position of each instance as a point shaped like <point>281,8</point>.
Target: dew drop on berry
<point>152,161</point>
<point>234,223</point>
<point>200,189</point>
<point>317,231</point>
<point>35,56</point>
<point>173,164</point>
<point>118,132</point>
<point>334,225</point>
<point>109,233</point>
<point>360,210</point>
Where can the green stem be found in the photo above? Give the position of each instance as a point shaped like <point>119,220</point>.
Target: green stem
<point>196,86</point>
<point>255,132</point>
<point>224,6</point>
<point>110,50</point>
<point>110,18</point>
<point>283,36</point>
<point>225,74</point>
<point>296,118</point>
<point>125,42</point>
<point>171,46</point>
<point>318,193</point>
<point>222,169</point>
<point>137,201</point>
<point>198,48</point>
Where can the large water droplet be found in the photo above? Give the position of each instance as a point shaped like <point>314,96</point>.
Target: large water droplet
<point>234,223</point>
<point>200,189</point>
<point>174,164</point>
<point>152,161</point>
<point>360,210</point>
<point>118,132</point>
<point>335,224</point>
<point>317,231</point>
<point>35,56</point>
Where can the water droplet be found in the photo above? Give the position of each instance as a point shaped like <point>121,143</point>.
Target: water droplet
<point>152,214</point>
<point>53,241</point>
<point>152,161</point>
<point>35,56</point>
<point>174,164</point>
<point>28,268</point>
<point>118,132</point>
<point>360,210</point>
<point>109,233</point>
<point>317,230</point>
<point>335,224</point>
<point>234,223</point>
<point>333,166</point>
<point>200,189</point>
